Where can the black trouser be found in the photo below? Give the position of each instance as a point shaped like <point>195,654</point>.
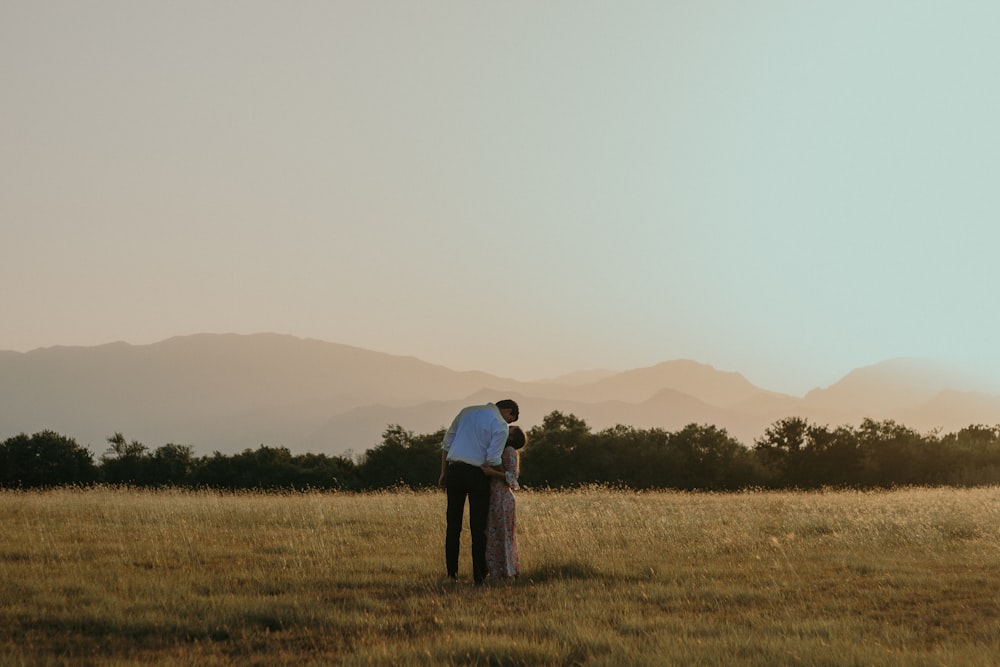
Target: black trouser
<point>467,481</point>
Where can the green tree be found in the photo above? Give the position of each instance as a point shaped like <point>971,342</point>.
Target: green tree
<point>973,455</point>
<point>45,459</point>
<point>125,462</point>
<point>779,450</point>
<point>402,459</point>
<point>648,462</point>
<point>550,457</point>
<point>833,458</point>
<point>320,471</point>
<point>262,468</point>
<point>795,453</point>
<point>893,454</point>
<point>710,458</point>
<point>171,465</point>
<point>612,456</point>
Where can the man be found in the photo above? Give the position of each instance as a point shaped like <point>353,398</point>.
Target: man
<point>476,436</point>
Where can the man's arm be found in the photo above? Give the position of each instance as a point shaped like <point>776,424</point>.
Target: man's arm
<point>446,445</point>
<point>444,468</point>
<point>495,449</point>
<point>497,473</point>
<point>450,433</point>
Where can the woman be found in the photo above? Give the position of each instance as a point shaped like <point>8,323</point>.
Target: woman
<point>503,558</point>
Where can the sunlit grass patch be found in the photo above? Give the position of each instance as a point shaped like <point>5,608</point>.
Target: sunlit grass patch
<point>609,577</point>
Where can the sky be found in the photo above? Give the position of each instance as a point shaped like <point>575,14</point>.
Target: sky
<point>789,189</point>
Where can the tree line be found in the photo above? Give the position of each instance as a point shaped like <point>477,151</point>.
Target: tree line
<point>562,452</point>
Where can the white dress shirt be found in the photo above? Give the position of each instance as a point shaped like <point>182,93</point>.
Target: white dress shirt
<point>476,436</point>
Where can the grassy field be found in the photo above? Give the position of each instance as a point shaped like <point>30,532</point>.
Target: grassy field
<point>119,577</point>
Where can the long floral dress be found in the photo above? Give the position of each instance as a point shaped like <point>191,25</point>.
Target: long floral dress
<point>503,559</point>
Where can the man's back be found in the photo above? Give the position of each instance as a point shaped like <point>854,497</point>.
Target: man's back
<point>476,436</point>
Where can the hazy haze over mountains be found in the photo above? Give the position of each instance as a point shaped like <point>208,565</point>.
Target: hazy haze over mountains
<point>227,392</point>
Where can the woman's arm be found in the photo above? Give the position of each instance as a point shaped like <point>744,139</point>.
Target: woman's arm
<point>512,464</point>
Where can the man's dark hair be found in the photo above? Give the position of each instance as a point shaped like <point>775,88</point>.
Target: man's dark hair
<point>508,404</point>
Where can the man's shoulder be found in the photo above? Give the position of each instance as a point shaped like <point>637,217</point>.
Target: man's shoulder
<point>476,408</point>
<point>480,413</point>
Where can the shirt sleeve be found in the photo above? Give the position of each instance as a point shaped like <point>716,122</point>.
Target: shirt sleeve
<point>450,433</point>
<point>497,441</point>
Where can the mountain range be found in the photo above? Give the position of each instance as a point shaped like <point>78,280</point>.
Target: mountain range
<point>229,392</point>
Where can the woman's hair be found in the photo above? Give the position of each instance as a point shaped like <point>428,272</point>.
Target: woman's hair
<point>516,437</point>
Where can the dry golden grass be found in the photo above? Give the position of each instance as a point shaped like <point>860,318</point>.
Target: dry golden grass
<point>120,577</point>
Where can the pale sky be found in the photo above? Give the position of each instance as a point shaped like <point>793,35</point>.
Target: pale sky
<point>787,189</point>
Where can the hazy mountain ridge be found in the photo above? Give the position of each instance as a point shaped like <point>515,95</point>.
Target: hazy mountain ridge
<point>228,392</point>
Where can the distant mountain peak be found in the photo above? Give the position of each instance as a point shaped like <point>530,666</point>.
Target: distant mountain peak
<point>580,377</point>
<point>227,392</point>
<point>891,384</point>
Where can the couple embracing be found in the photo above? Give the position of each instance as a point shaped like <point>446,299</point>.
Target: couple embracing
<point>479,462</point>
